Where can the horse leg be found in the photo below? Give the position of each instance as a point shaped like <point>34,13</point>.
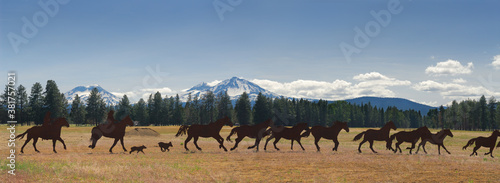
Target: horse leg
<point>418,148</point>
<point>257,142</point>
<point>474,150</point>
<point>62,141</point>
<point>267,140</point>
<point>237,141</point>
<point>412,146</point>
<point>54,145</point>
<point>301,145</point>
<point>221,142</point>
<point>114,143</point>
<point>316,140</point>
<point>195,141</point>
<point>121,142</point>
<point>399,147</point>
<point>491,151</point>
<point>25,142</point>
<point>371,146</point>
<point>275,142</point>
<point>445,149</point>
<point>336,144</point>
<point>359,147</point>
<point>34,144</point>
<point>186,141</point>
<point>423,146</point>
<point>291,147</point>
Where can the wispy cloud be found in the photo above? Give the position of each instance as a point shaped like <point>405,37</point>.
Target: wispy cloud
<point>496,62</point>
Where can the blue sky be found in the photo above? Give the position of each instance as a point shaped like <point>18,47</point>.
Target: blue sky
<point>430,52</point>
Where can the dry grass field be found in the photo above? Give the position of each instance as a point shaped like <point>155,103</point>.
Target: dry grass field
<point>80,164</point>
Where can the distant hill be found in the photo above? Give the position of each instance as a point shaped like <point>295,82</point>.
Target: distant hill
<point>400,103</point>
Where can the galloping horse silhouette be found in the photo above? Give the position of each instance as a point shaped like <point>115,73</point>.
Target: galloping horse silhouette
<point>46,132</point>
<point>211,130</point>
<point>484,142</point>
<point>437,139</point>
<point>288,133</point>
<point>257,131</point>
<point>375,135</point>
<point>116,131</point>
<point>411,136</point>
<point>330,133</point>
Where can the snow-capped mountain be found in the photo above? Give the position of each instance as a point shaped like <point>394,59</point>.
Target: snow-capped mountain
<point>234,87</point>
<point>84,93</point>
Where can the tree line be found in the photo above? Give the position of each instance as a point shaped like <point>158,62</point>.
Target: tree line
<point>170,110</point>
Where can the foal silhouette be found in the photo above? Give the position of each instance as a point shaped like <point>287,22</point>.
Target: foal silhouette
<point>375,135</point>
<point>437,139</point>
<point>484,142</point>
<point>46,132</point>
<point>411,136</point>
<point>211,130</point>
<point>257,132</point>
<point>330,133</point>
<point>288,133</point>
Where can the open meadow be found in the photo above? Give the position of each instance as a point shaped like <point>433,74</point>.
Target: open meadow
<point>81,164</point>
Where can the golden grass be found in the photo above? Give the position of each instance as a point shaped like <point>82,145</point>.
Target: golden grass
<point>80,164</point>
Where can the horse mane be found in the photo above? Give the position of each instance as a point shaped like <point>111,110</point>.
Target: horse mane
<point>441,134</point>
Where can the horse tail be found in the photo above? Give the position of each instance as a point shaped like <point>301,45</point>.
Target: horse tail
<point>182,130</point>
<point>306,133</point>
<point>471,141</point>
<point>233,131</point>
<point>21,136</point>
<point>358,136</point>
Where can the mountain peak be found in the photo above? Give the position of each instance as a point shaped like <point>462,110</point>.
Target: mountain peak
<point>84,92</point>
<point>234,86</point>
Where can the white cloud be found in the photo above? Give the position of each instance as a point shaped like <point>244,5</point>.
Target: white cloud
<point>459,80</point>
<point>496,62</point>
<point>454,91</point>
<point>371,84</point>
<point>449,67</point>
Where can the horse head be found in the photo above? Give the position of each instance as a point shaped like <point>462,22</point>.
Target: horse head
<point>61,122</point>
<point>127,120</point>
<point>391,125</point>
<point>448,132</point>
<point>227,121</point>
<point>496,133</point>
<point>344,126</point>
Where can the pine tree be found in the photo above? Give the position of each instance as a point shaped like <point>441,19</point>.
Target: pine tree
<point>96,108</point>
<point>123,108</point>
<point>242,109</point>
<point>53,100</point>
<point>224,105</point>
<point>492,105</point>
<point>178,113</point>
<point>261,109</point>
<point>22,102</point>
<point>77,114</point>
<point>207,113</point>
<point>35,104</point>
<point>156,109</point>
<point>483,109</point>
<point>141,112</point>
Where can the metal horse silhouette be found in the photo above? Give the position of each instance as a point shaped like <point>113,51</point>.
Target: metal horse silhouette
<point>375,135</point>
<point>257,132</point>
<point>484,142</point>
<point>437,139</point>
<point>330,133</point>
<point>288,133</point>
<point>411,136</point>
<point>116,131</point>
<point>211,130</point>
<point>46,132</point>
